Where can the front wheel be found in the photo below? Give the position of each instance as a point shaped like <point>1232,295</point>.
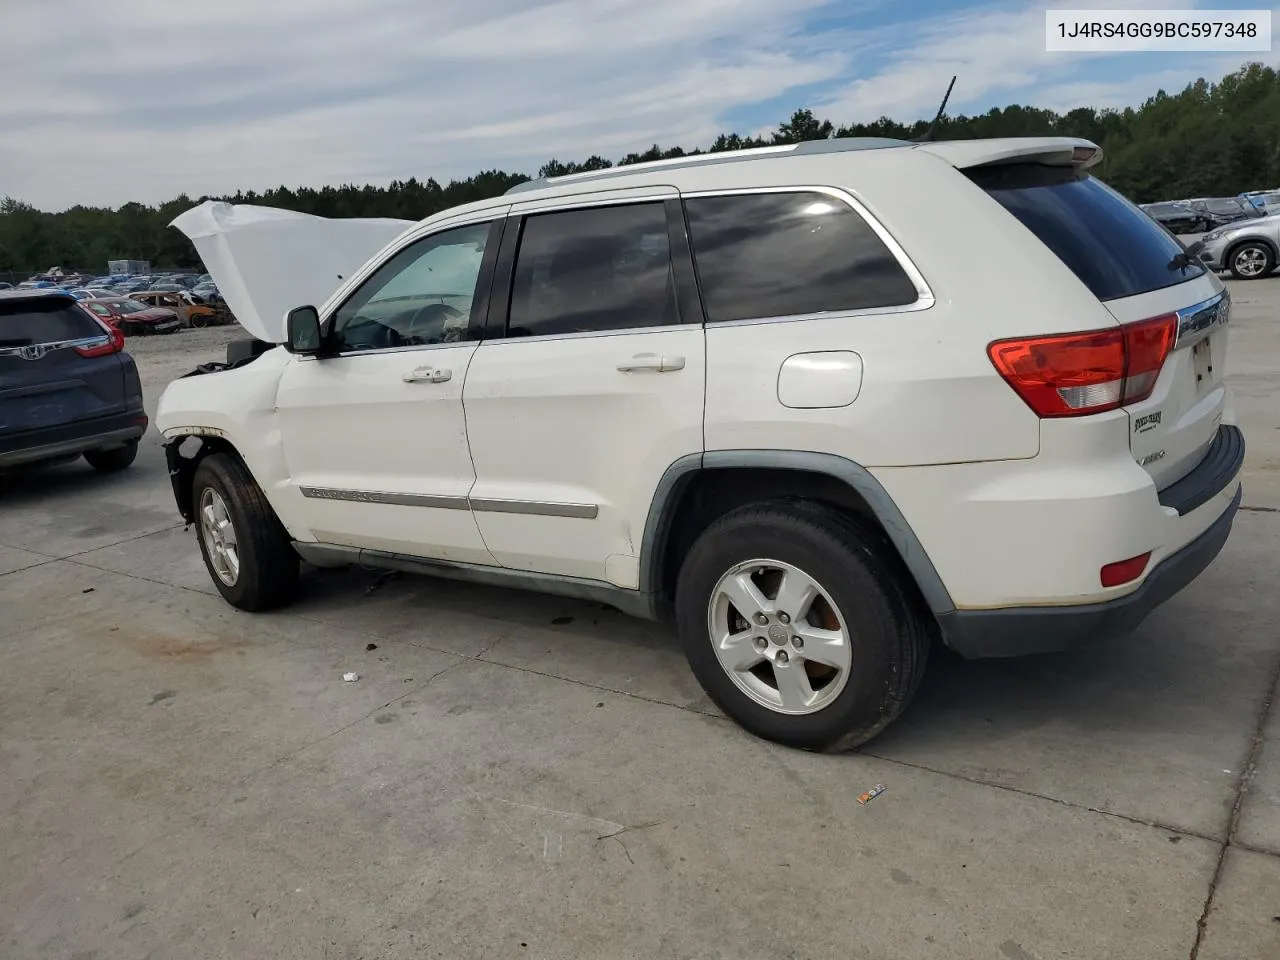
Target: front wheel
<point>1251,261</point>
<point>798,624</point>
<point>245,547</point>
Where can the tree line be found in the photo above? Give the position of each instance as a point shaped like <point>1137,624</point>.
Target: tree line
<point>1211,139</point>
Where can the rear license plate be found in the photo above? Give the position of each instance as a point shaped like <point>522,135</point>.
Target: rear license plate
<point>1202,361</point>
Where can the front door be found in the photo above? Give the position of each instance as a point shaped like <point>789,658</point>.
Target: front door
<point>373,430</point>
<point>588,388</point>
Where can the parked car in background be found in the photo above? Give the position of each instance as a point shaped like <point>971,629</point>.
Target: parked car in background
<point>191,314</point>
<point>67,388</point>
<point>1268,201</point>
<point>1174,215</point>
<point>1250,249</point>
<point>1220,211</point>
<point>4,285</point>
<point>92,293</point>
<point>206,293</point>
<point>133,316</point>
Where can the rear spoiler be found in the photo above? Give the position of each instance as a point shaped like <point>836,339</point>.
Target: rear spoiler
<point>1051,151</point>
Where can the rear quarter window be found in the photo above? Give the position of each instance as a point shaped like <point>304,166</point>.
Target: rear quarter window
<point>764,255</point>
<point>1114,248</point>
<point>44,320</point>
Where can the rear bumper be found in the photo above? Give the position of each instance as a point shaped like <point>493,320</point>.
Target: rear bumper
<point>72,439</point>
<point>1015,631</point>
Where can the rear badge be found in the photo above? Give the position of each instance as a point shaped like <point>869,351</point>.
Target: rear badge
<point>1149,422</point>
<point>1151,458</point>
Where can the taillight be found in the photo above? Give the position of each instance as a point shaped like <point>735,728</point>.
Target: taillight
<point>113,344</point>
<point>1075,374</point>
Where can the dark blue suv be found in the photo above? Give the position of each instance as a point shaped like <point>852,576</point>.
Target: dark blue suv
<point>67,388</point>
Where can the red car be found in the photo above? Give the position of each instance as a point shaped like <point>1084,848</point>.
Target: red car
<point>131,316</point>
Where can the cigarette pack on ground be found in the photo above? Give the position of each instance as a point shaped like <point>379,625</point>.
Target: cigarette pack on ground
<point>871,794</point>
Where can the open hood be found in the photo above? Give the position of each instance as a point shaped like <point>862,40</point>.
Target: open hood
<point>267,261</point>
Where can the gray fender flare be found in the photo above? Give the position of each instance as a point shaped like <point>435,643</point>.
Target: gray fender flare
<point>667,497</point>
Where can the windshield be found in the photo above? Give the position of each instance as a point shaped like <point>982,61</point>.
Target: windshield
<point>132,306</point>
<point>1114,248</point>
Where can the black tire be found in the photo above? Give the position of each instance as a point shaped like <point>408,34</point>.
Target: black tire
<point>890,634</point>
<point>268,565</point>
<point>117,458</point>
<point>197,320</point>
<point>1255,247</point>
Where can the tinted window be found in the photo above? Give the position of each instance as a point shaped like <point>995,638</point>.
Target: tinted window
<point>1111,245</point>
<point>785,254</point>
<point>606,268</point>
<point>44,321</point>
<point>422,295</point>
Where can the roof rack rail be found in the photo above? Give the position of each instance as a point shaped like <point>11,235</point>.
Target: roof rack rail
<point>832,145</point>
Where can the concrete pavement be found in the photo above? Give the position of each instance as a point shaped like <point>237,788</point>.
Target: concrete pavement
<point>523,776</point>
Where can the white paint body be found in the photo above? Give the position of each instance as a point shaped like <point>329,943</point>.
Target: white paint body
<point>1012,510</point>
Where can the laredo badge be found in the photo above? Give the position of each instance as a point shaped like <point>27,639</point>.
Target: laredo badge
<point>1149,422</point>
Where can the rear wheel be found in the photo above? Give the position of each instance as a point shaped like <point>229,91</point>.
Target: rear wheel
<point>1251,261</point>
<point>117,458</point>
<point>244,545</point>
<point>798,623</point>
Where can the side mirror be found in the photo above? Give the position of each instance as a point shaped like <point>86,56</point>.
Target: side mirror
<point>303,326</point>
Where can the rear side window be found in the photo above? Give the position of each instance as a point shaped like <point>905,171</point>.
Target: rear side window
<point>787,254</point>
<point>593,270</point>
<point>1113,247</point>
<point>44,320</point>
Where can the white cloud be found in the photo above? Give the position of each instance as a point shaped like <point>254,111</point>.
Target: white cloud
<point>144,99</point>
<point>213,97</point>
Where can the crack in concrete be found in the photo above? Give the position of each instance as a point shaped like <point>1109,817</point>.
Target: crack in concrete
<point>1247,773</point>
<point>1071,804</point>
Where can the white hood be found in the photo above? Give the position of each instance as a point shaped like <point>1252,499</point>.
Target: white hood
<point>267,261</point>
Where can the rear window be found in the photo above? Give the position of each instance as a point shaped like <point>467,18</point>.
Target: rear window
<point>44,320</point>
<point>1113,247</point>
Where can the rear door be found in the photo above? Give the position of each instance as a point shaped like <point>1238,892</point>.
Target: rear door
<point>44,380</point>
<point>589,384</point>
<point>1135,269</point>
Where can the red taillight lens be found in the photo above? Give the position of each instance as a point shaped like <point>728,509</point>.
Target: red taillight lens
<point>113,344</point>
<point>1074,374</point>
<point>1124,571</point>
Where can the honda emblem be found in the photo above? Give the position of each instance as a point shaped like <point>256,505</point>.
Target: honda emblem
<point>33,352</point>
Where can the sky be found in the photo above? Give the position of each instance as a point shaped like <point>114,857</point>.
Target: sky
<point>107,101</point>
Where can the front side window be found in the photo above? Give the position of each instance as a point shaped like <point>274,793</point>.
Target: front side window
<point>787,254</point>
<point>100,309</point>
<point>423,295</point>
<point>594,270</point>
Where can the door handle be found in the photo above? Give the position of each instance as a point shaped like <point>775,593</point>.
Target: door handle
<point>427,375</point>
<point>656,362</point>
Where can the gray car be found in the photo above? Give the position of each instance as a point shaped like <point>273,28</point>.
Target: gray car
<point>67,388</point>
<point>1249,249</point>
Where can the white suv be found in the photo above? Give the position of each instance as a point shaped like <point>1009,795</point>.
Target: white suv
<point>819,403</point>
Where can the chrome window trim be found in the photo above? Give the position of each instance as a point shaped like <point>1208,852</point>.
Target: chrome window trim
<point>384,351</point>
<point>598,198</point>
<point>579,334</point>
<point>925,298</point>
